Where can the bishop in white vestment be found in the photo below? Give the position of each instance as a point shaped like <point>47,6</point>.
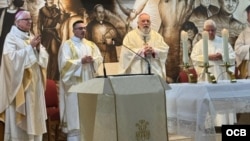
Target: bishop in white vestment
<point>23,76</point>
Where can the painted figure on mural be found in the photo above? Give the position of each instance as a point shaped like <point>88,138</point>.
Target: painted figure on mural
<point>225,19</point>
<point>104,34</point>
<point>111,11</point>
<point>49,18</point>
<point>203,9</point>
<point>192,32</point>
<point>7,18</point>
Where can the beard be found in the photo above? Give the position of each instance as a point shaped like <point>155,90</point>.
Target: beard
<point>145,30</point>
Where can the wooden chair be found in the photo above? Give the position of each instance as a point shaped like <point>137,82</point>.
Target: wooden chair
<point>52,102</point>
<point>183,75</point>
<point>1,131</point>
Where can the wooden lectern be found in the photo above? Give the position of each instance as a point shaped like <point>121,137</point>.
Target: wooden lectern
<point>123,108</point>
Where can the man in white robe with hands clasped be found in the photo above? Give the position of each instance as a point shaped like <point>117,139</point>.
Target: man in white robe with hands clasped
<point>78,60</point>
<point>215,55</point>
<point>143,42</point>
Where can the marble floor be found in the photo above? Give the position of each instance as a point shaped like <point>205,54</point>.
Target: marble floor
<point>172,137</point>
<point>183,138</point>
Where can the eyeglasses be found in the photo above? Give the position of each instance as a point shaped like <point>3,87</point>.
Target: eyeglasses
<point>80,28</point>
<point>210,30</point>
<point>28,19</point>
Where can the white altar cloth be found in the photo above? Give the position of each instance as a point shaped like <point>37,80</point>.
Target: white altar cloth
<point>195,109</point>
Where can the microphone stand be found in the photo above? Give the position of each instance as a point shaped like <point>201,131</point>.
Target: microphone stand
<point>103,62</point>
<point>149,66</point>
<point>106,48</point>
<point>104,70</point>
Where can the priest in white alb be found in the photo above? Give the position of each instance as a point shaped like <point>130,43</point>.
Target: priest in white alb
<point>242,50</point>
<point>214,50</point>
<point>142,47</point>
<point>78,60</point>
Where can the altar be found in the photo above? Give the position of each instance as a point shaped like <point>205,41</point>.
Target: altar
<point>123,108</point>
<point>195,110</point>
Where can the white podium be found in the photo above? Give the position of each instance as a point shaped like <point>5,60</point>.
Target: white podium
<point>123,108</point>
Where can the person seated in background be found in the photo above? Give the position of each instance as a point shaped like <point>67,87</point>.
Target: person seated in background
<point>141,46</point>
<point>242,49</point>
<point>215,54</point>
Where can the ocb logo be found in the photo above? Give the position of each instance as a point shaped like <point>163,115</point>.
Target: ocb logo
<point>236,132</point>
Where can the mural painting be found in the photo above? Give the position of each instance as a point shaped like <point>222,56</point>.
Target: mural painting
<point>109,22</point>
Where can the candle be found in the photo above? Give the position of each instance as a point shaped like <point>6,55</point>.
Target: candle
<point>205,46</point>
<point>184,38</point>
<point>225,36</point>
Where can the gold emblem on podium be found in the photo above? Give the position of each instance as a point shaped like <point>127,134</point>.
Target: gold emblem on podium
<point>143,133</point>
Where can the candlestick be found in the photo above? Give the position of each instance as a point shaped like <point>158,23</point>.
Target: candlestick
<point>211,78</point>
<point>205,46</point>
<point>184,38</point>
<point>225,36</point>
<point>229,72</point>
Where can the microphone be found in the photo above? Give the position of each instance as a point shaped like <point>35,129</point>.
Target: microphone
<point>103,63</point>
<point>149,66</point>
<point>145,39</point>
<point>104,69</point>
<point>105,52</point>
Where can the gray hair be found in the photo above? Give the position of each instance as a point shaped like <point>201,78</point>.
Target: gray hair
<point>139,16</point>
<point>209,22</point>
